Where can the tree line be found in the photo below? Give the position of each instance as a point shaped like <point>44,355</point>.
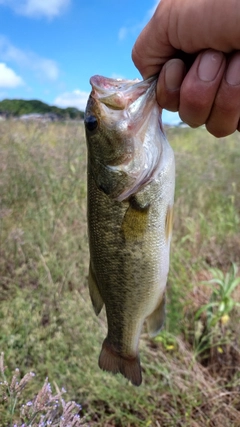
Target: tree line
<point>19,107</point>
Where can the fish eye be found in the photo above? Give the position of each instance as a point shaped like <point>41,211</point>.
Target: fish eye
<point>91,123</point>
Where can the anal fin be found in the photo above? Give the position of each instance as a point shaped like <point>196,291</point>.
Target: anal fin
<point>95,295</point>
<point>156,320</point>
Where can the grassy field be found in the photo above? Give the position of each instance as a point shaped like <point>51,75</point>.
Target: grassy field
<point>191,371</point>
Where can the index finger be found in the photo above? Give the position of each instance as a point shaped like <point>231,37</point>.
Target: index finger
<point>152,48</point>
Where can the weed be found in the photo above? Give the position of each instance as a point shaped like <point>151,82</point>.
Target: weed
<point>214,338</point>
<point>221,300</point>
<point>42,410</point>
<point>47,323</point>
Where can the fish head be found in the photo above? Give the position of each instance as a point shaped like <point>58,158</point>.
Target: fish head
<point>121,118</point>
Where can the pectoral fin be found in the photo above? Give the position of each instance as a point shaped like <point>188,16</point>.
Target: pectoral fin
<point>96,298</point>
<point>156,319</point>
<point>135,221</point>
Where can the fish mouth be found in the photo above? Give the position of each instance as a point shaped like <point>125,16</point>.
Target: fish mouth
<point>118,94</point>
<point>125,103</point>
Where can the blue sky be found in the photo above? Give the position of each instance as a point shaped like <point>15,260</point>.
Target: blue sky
<point>50,48</point>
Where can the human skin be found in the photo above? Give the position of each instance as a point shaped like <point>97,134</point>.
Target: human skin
<point>208,32</point>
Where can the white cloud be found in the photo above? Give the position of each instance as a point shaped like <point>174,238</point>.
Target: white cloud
<point>47,67</point>
<point>8,78</point>
<point>43,67</point>
<point>37,8</point>
<point>76,98</point>
<point>136,28</point>
<point>122,33</point>
<point>125,31</point>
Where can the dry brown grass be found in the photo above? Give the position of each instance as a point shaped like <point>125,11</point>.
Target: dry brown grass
<point>46,320</point>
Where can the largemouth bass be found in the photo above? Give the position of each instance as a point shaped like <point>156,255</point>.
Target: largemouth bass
<point>131,178</point>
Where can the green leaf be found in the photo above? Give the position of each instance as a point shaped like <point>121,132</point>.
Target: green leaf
<point>205,308</point>
<point>233,285</point>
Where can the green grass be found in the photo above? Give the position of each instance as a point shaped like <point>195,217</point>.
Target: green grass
<point>47,324</point>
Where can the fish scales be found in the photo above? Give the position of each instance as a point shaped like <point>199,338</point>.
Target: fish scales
<point>129,216</point>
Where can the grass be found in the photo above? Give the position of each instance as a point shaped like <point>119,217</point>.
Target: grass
<point>47,323</point>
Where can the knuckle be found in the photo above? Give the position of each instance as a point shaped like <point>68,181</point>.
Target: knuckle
<point>189,121</point>
<point>219,131</point>
<point>196,103</point>
<point>223,120</point>
<point>170,103</point>
<point>135,56</point>
<point>224,106</point>
<point>193,119</point>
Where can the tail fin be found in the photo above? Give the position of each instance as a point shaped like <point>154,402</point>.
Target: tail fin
<point>111,361</point>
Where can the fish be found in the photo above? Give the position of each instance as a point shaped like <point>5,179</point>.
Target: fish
<point>130,198</point>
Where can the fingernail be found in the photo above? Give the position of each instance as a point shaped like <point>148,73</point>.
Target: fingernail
<point>233,71</point>
<point>210,64</point>
<point>174,74</point>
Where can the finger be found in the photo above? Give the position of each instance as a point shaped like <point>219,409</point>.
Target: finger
<point>152,47</point>
<point>169,83</point>
<point>200,86</point>
<point>224,117</point>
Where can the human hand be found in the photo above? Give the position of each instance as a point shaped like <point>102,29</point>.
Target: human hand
<point>209,91</point>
